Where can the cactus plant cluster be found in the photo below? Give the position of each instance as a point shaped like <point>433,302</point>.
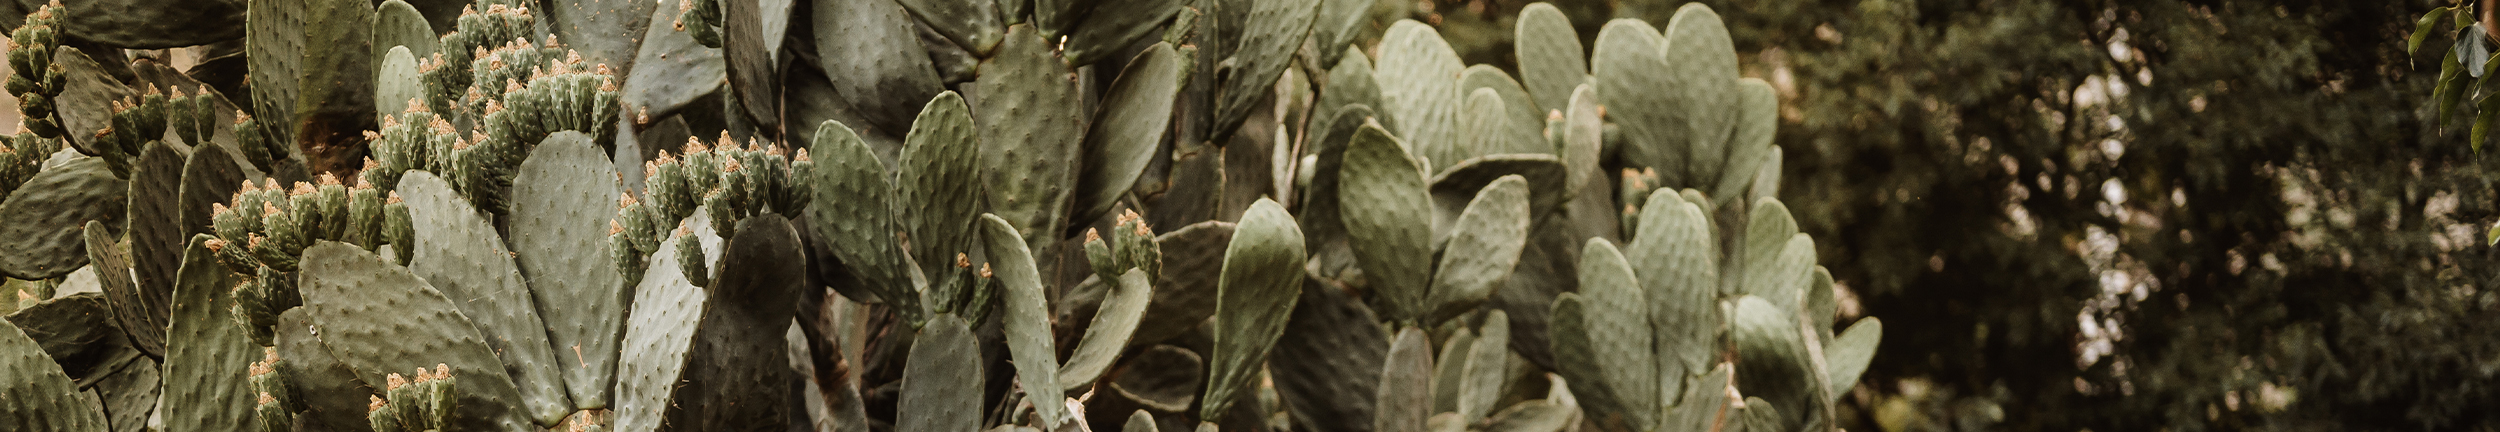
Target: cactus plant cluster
<point>918,215</point>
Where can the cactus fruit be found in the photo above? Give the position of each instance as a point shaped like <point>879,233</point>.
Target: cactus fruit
<point>33,78</point>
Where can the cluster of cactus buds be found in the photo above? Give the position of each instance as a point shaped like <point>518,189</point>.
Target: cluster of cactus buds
<point>447,73</point>
<point>275,402</point>
<point>419,404</point>
<point>1132,246</point>
<point>263,233</point>
<point>727,180</point>
<point>21,156</point>
<point>137,121</point>
<point>33,78</point>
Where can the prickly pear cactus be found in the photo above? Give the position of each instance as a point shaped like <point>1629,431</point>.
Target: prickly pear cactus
<point>609,214</point>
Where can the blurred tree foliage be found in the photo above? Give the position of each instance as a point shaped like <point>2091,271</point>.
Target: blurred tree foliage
<point>2122,215</point>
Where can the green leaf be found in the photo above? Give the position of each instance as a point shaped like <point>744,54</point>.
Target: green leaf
<point>398,84</point>
<point>1674,257</point>
<point>562,204</point>
<point>42,398</point>
<point>1520,122</point>
<point>1029,135</point>
<point>659,333</point>
<point>1109,333</point>
<point>1406,384</point>
<point>1383,202</point>
<point>1105,34</point>
<point>1418,75</point>
<point>1127,130</point>
<point>1271,32</point>
<point>1327,366</point>
<point>1184,299</point>
<point>1757,122</point>
<point>941,389</point>
<point>1602,338</point>
<point>329,389</point>
<point>862,231</point>
<point>874,59</point>
<point>605,32</point>
<point>1772,356</point>
<point>396,24</point>
<point>2452,84</point>
<point>2422,29</point>
<point>737,374</point>
<point>940,193</point>
<point>47,216</point>
<point>458,252</point>
<point>972,24</point>
<point>1487,373</point>
<point>1028,318</point>
<point>1262,278</point>
<point>1848,355</point>
<point>670,71</point>
<point>1480,256</point>
<point>379,319</point>
<point>1551,61</point>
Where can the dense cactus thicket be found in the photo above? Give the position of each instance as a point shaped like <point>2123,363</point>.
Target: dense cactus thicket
<point>916,215</point>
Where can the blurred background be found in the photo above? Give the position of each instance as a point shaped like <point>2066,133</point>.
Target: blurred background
<point>2120,215</point>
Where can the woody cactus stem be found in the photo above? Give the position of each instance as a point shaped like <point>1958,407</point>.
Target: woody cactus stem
<point>33,78</point>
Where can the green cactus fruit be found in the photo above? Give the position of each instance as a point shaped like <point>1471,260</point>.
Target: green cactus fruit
<point>700,19</point>
<point>1385,208</point>
<point>1134,117</point>
<point>460,254</point>
<point>206,354</point>
<point>33,78</point>
<point>1028,319</point>
<point>21,156</point>
<point>1262,279</point>
<point>378,317</point>
<point>47,215</point>
<point>941,387</point>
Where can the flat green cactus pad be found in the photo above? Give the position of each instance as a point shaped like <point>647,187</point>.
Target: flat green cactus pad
<point>562,203</point>
<point>1028,322</point>
<point>1405,399</point>
<point>1262,279</point>
<point>42,398</point>
<point>47,215</point>
<point>1327,366</point>
<point>942,380</point>
<point>458,252</point>
<point>378,318</point>
<point>1131,124</point>
<point>206,350</point>
<point>658,335</point>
